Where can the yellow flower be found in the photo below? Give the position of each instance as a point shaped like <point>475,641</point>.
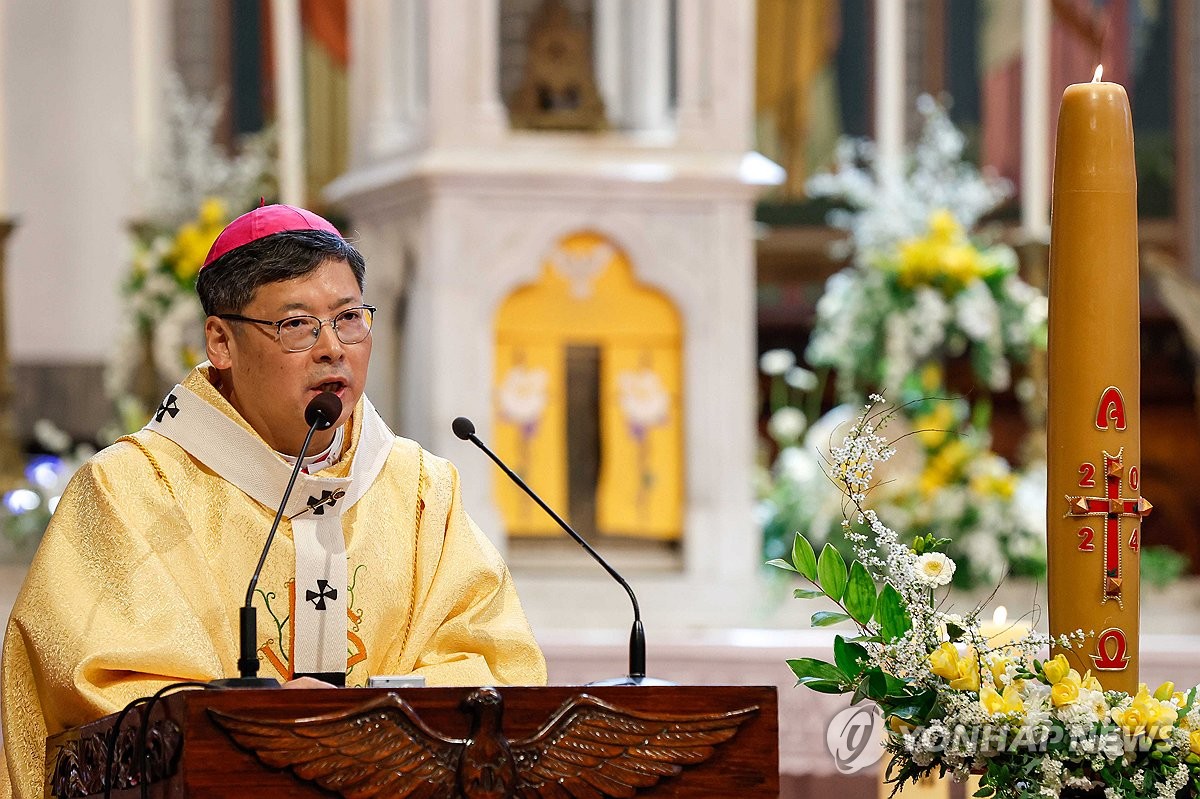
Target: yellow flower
<point>1056,669</point>
<point>1194,741</point>
<point>1146,716</point>
<point>1164,691</point>
<point>991,476</point>
<point>961,264</point>
<point>943,258</point>
<point>1091,683</point>
<point>943,227</point>
<point>962,672</point>
<point>999,668</point>
<point>995,704</point>
<point>992,702</point>
<point>1066,690</point>
<point>944,466</point>
<point>212,212</point>
<point>968,673</point>
<point>943,661</point>
<point>935,427</point>
<point>932,379</point>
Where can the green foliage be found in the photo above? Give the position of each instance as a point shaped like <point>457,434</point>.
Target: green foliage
<point>881,616</point>
<point>831,572</point>
<point>1161,566</point>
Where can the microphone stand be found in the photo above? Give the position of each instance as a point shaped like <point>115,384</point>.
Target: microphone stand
<point>319,417</point>
<point>464,428</point>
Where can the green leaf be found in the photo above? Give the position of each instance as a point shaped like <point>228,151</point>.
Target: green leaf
<point>825,618</point>
<point>891,613</point>
<point>876,685</point>
<point>860,593</point>
<point>806,593</point>
<point>831,570</point>
<point>860,692</point>
<point>780,563</point>
<point>826,686</point>
<point>849,657</point>
<point>984,792</point>
<point>807,669</point>
<point>804,559</point>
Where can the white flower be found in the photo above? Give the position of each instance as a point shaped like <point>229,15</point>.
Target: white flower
<point>522,395</point>
<point>800,378</point>
<point>51,436</point>
<point>776,362</point>
<point>933,569</point>
<point>797,464</point>
<point>977,314</point>
<point>179,337</point>
<point>787,424</point>
<point>644,400</point>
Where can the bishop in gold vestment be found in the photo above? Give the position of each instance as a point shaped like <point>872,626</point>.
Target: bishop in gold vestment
<point>139,577</point>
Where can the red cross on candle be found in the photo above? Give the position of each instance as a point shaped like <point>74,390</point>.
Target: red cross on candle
<point>1112,506</point>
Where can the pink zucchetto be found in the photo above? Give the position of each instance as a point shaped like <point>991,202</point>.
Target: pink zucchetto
<point>264,221</point>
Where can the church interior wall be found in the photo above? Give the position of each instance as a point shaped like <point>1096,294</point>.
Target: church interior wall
<point>68,125</point>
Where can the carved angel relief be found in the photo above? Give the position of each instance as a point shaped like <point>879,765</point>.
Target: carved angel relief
<point>588,748</point>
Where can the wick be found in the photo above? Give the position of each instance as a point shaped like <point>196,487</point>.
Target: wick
<point>1099,73</point>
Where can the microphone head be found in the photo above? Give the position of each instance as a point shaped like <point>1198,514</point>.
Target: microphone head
<point>464,428</point>
<point>323,410</point>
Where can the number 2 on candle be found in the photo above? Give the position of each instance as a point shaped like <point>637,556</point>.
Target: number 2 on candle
<point>1088,472</point>
<point>1085,544</point>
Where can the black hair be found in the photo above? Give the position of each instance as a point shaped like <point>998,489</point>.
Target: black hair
<point>227,285</point>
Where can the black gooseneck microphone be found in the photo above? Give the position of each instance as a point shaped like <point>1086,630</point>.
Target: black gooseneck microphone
<point>322,411</point>
<point>464,428</point>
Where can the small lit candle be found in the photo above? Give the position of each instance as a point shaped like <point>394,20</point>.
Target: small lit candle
<point>1000,631</point>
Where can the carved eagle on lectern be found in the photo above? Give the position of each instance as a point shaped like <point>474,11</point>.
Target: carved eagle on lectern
<point>586,750</point>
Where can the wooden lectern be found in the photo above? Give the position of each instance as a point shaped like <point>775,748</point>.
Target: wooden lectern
<point>457,743</point>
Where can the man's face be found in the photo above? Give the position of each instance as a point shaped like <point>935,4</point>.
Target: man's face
<point>271,387</point>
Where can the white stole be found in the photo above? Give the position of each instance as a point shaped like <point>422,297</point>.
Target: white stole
<point>314,509</point>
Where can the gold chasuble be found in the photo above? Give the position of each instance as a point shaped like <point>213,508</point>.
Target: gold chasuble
<point>140,575</point>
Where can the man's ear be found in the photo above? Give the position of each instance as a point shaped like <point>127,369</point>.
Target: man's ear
<point>218,342</point>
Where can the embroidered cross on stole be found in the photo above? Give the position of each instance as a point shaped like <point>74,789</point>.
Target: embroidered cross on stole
<point>315,511</point>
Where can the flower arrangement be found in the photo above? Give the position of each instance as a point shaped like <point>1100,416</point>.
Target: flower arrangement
<point>955,701</point>
<point>920,292</point>
<point>198,188</point>
<point>950,483</point>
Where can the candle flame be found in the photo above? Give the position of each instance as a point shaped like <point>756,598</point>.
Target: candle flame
<point>1099,73</point>
<point>1000,615</point>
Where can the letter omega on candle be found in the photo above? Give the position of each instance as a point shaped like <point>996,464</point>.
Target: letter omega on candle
<point>1094,506</point>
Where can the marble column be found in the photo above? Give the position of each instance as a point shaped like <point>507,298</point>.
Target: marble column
<point>287,43</point>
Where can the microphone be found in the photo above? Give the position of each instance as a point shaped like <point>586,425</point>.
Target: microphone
<point>464,428</point>
<point>322,411</point>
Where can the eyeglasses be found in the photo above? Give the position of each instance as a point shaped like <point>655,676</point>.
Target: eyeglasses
<point>300,333</point>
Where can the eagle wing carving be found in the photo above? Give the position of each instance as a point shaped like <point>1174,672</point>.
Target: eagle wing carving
<point>591,749</point>
<point>381,748</point>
